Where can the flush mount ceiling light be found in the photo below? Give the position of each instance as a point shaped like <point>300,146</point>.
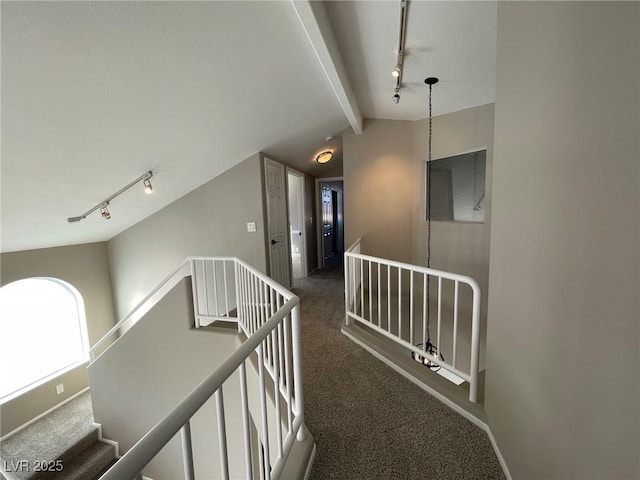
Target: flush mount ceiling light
<point>102,206</point>
<point>397,70</point>
<point>324,157</point>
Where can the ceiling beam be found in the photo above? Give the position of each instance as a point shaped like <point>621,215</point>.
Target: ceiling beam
<point>315,22</point>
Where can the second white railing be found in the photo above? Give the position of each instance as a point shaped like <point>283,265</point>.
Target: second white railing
<point>268,314</point>
<point>406,303</point>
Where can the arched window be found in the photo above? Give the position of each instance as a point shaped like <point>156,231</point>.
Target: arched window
<point>43,332</point>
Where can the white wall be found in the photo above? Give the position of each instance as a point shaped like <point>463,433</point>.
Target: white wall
<point>86,268</point>
<point>211,220</point>
<point>562,389</point>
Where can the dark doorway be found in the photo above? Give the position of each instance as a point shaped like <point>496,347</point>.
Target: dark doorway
<point>332,220</point>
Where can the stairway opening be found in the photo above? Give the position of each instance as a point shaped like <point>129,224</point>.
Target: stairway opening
<point>65,443</point>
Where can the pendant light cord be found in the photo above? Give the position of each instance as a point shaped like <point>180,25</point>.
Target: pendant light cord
<point>429,213</point>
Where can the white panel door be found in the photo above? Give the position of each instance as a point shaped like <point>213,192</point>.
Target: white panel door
<point>277,224</point>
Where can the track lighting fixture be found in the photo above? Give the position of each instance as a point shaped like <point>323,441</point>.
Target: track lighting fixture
<point>397,70</point>
<point>324,157</point>
<point>102,206</point>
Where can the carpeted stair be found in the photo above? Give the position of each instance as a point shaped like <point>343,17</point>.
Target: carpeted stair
<point>65,442</point>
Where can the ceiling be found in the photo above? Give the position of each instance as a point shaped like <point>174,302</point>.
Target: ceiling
<point>94,94</point>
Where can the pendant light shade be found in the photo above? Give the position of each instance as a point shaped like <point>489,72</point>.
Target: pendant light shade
<point>430,354</point>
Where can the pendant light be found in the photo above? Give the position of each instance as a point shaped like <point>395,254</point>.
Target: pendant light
<point>430,350</point>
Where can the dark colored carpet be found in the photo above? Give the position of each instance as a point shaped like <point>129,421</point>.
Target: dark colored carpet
<point>369,422</point>
<point>67,436</point>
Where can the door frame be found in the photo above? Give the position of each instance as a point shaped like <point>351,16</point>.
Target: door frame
<point>304,263</point>
<point>319,182</point>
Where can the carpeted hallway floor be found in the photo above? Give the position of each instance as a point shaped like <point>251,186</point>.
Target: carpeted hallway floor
<point>368,421</point>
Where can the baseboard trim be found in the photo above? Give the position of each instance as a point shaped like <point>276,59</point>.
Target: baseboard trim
<point>311,460</point>
<point>410,377</point>
<point>484,426</point>
<point>503,463</point>
<point>106,440</point>
<point>44,414</point>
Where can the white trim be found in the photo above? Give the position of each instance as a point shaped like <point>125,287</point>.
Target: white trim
<point>484,426</point>
<point>503,463</point>
<point>4,475</point>
<point>41,381</point>
<point>466,152</point>
<point>311,460</point>
<point>106,440</point>
<point>22,427</point>
<point>315,23</point>
<point>476,421</point>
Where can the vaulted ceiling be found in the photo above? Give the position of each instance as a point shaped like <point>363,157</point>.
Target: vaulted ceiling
<point>94,94</point>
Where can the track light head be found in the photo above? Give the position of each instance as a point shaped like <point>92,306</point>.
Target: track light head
<point>396,96</point>
<point>396,71</point>
<point>148,188</point>
<point>104,211</point>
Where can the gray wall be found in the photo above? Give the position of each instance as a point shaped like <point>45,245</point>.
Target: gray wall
<point>86,268</point>
<point>562,377</point>
<point>211,220</point>
<point>385,199</point>
<point>379,185</point>
<point>152,377</point>
<point>384,183</point>
<point>456,246</point>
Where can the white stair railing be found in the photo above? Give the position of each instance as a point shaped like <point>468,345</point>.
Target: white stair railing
<point>213,285</point>
<point>391,298</point>
<point>268,314</point>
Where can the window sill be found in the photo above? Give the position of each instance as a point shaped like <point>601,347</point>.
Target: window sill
<point>32,386</point>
